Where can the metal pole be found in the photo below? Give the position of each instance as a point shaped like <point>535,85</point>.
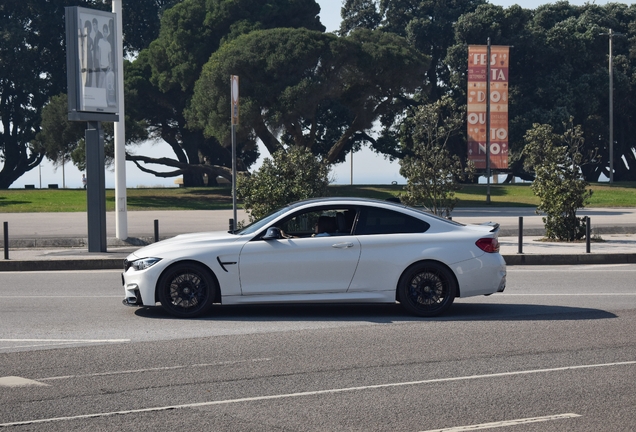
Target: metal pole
<point>234,90</point>
<point>611,110</point>
<point>121,211</point>
<point>234,177</point>
<point>6,240</point>
<point>156,230</point>
<point>95,187</point>
<point>351,182</point>
<point>587,234</point>
<point>520,234</point>
<point>488,123</point>
<point>611,35</point>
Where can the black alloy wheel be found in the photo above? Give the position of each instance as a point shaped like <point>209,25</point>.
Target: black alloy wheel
<point>427,289</point>
<point>187,290</point>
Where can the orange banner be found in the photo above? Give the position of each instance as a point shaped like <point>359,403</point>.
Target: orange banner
<point>476,113</point>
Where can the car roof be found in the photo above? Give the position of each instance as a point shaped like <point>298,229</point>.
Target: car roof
<point>372,201</point>
<point>349,200</point>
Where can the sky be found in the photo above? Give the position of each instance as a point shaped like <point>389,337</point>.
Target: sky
<point>368,167</point>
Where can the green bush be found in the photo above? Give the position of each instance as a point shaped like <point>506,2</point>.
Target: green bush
<point>556,162</point>
<point>291,175</point>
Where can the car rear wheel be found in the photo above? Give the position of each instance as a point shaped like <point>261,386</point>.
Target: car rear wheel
<point>427,289</point>
<point>187,290</point>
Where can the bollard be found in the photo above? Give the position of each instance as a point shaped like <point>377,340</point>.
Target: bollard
<point>231,225</point>
<point>156,230</point>
<point>6,240</point>
<point>520,234</point>
<point>587,234</point>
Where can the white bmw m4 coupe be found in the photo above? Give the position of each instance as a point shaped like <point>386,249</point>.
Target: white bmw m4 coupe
<point>327,250</point>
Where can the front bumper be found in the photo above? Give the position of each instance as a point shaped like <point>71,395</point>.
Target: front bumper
<point>139,286</point>
<point>132,294</point>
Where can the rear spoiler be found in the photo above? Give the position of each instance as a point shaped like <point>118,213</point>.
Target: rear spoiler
<point>494,225</point>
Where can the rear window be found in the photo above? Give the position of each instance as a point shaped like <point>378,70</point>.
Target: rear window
<point>382,221</point>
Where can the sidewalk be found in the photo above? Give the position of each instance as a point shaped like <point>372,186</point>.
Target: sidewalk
<point>57,241</point>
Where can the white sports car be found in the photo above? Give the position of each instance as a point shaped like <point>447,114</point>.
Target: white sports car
<point>317,251</point>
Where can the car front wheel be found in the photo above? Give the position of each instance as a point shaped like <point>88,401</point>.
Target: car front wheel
<point>427,289</point>
<point>187,290</point>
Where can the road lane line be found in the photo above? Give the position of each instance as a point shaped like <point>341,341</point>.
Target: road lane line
<point>570,295</point>
<point>67,340</point>
<point>506,423</point>
<point>60,296</point>
<point>316,393</point>
<point>39,343</point>
<point>14,381</point>
<point>157,369</point>
<point>40,272</point>
<point>576,268</point>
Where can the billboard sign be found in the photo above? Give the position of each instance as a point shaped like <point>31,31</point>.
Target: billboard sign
<point>91,59</point>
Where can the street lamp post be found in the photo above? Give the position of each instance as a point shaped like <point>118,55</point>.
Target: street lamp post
<point>488,123</point>
<point>611,35</point>
<point>121,208</point>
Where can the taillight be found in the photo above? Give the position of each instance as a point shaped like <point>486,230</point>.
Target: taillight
<point>488,244</point>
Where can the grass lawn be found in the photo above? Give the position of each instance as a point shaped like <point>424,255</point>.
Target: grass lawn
<point>74,200</point>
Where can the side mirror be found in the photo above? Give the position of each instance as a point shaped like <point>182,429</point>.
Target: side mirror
<point>272,233</point>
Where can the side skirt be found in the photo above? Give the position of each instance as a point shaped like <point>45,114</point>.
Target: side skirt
<point>356,297</point>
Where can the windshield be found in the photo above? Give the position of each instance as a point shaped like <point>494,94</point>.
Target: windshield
<point>261,223</point>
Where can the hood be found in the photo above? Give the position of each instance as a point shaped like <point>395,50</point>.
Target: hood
<point>185,242</point>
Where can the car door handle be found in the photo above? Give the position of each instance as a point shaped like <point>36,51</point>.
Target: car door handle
<point>342,245</point>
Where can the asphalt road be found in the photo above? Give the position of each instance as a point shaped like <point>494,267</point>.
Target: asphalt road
<point>555,352</point>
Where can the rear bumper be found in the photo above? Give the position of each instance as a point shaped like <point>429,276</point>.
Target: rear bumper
<point>502,284</point>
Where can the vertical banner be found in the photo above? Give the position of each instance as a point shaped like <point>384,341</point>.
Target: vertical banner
<point>476,113</point>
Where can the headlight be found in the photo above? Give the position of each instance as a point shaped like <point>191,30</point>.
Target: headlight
<point>144,263</point>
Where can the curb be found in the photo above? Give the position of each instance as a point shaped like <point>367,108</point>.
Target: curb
<point>511,260</point>
<point>70,264</point>
<point>73,242</point>
<point>570,259</point>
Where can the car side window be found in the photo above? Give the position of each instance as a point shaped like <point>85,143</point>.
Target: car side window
<point>319,223</point>
<point>383,221</point>
<point>300,225</point>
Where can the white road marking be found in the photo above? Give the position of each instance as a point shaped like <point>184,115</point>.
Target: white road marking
<point>60,296</point>
<point>13,381</point>
<point>573,268</point>
<point>67,340</point>
<point>157,369</point>
<point>56,342</point>
<point>66,271</point>
<point>570,294</point>
<point>317,392</point>
<point>506,423</point>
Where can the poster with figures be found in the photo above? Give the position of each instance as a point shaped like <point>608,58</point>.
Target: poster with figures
<point>477,108</point>
<point>93,62</point>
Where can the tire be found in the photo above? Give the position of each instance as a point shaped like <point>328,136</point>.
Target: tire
<point>187,290</point>
<point>427,289</point>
